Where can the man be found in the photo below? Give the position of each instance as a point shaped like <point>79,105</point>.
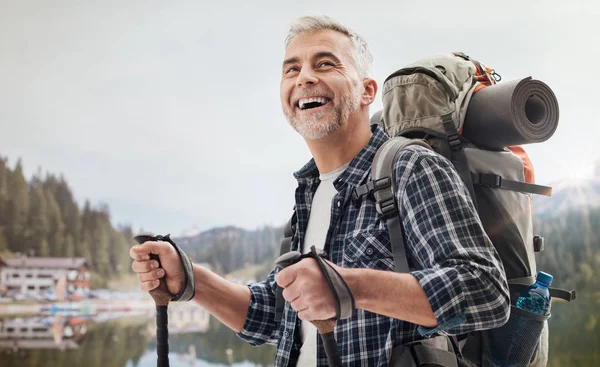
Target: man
<point>456,284</point>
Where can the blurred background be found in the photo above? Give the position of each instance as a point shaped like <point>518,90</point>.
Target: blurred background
<point>121,116</point>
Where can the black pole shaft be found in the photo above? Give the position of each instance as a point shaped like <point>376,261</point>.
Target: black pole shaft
<point>330,346</point>
<point>162,336</point>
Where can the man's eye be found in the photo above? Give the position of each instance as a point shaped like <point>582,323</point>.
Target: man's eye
<point>325,63</point>
<point>291,69</point>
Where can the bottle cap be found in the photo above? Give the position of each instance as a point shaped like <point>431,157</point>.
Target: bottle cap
<point>544,277</point>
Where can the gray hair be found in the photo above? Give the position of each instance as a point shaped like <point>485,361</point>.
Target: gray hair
<point>363,60</point>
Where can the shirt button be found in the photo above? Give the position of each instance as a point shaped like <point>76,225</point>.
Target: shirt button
<point>286,334</point>
<point>339,203</point>
<point>370,251</point>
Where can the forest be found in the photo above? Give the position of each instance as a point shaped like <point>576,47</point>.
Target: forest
<point>40,217</point>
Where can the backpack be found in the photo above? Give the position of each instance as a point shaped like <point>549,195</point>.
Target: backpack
<point>428,101</point>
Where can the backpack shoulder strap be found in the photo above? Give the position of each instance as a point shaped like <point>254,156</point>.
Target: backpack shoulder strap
<point>285,247</point>
<point>457,155</point>
<point>288,233</point>
<point>381,186</point>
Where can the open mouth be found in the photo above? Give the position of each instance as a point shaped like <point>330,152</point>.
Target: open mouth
<point>312,103</point>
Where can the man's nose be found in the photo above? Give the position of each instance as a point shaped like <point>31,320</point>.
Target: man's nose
<point>306,77</point>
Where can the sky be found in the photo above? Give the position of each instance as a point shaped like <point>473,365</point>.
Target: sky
<point>169,112</point>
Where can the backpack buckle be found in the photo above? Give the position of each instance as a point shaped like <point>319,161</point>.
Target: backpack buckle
<point>538,243</point>
<point>490,180</point>
<point>454,142</point>
<point>369,188</point>
<point>387,207</point>
<point>382,183</point>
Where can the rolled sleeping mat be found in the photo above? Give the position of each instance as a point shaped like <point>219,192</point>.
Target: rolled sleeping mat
<point>516,112</point>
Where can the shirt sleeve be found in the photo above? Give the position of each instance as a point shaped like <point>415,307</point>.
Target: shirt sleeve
<point>457,265</point>
<point>260,326</point>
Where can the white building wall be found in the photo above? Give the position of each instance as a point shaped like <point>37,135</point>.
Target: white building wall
<point>28,280</point>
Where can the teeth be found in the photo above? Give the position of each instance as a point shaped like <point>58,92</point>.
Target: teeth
<point>303,101</point>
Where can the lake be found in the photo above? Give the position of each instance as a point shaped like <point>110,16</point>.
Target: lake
<point>119,334</point>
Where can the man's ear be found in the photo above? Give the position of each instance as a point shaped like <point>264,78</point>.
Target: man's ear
<point>370,91</point>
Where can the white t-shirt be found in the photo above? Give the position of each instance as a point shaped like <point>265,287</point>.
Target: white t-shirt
<point>316,231</point>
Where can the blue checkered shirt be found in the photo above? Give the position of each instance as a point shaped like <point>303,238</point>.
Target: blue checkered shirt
<point>447,249</point>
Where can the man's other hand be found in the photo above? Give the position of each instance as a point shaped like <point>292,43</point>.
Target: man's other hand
<point>149,273</point>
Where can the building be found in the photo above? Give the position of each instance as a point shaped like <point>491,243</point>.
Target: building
<point>42,333</point>
<point>67,278</point>
<point>187,317</point>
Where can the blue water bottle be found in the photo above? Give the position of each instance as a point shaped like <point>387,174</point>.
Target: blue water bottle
<point>536,298</point>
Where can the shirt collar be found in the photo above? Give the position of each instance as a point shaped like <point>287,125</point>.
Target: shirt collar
<point>359,166</point>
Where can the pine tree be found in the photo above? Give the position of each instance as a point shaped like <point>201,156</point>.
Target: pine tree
<point>85,239</point>
<point>36,233</point>
<point>16,208</point>
<point>4,220</point>
<point>69,248</point>
<point>43,248</point>
<point>100,248</point>
<point>55,223</point>
<point>69,210</point>
<point>3,241</point>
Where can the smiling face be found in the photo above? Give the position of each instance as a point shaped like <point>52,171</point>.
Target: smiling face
<point>320,86</point>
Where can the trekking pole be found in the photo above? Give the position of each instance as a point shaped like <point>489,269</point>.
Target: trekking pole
<point>161,298</point>
<point>325,327</point>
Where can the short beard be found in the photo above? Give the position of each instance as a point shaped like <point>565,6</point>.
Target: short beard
<point>313,127</point>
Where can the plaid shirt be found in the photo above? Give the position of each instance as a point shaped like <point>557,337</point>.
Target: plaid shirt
<point>447,249</point>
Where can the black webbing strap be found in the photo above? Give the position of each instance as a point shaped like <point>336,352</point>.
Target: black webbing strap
<point>563,294</point>
<point>288,234</point>
<point>285,247</point>
<point>496,181</point>
<point>422,355</point>
<point>344,299</point>
<point>457,155</point>
<point>429,356</point>
<point>189,285</point>
<point>518,285</point>
<point>397,241</point>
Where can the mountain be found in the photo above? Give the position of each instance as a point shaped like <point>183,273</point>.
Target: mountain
<point>568,194</point>
<point>230,248</point>
<point>190,232</point>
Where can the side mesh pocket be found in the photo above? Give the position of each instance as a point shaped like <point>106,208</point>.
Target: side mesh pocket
<point>514,343</point>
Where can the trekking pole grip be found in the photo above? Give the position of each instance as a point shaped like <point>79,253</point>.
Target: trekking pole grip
<point>325,327</point>
<point>160,294</point>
